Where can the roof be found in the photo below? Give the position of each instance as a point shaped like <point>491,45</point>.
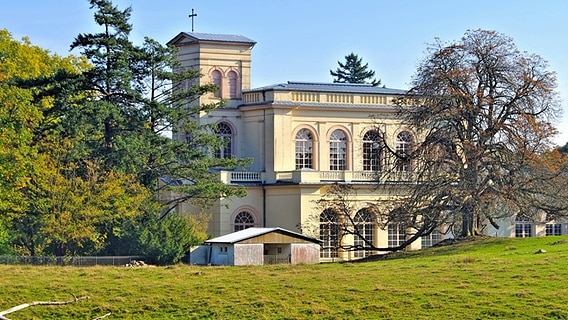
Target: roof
<point>255,232</point>
<point>212,37</point>
<point>329,87</point>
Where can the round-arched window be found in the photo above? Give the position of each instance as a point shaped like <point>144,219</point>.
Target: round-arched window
<point>243,220</point>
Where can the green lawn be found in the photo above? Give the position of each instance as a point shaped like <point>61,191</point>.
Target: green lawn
<point>483,279</point>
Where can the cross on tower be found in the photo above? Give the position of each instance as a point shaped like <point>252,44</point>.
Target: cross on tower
<point>192,16</point>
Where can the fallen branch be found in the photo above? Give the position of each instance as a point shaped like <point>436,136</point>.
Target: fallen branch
<point>38,303</point>
<point>102,317</point>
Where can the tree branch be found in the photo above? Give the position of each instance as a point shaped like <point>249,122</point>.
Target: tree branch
<point>39,303</point>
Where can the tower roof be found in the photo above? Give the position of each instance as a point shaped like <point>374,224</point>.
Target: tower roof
<point>210,37</point>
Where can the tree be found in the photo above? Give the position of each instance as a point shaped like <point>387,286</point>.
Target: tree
<point>25,134</point>
<point>484,111</point>
<point>20,116</point>
<point>5,241</point>
<point>136,93</point>
<point>564,148</point>
<point>353,71</point>
<point>84,150</point>
<point>164,241</point>
<point>341,218</point>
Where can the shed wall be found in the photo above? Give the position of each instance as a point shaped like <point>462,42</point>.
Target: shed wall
<point>222,256</point>
<point>199,255</point>
<point>274,237</point>
<point>248,254</point>
<point>305,253</point>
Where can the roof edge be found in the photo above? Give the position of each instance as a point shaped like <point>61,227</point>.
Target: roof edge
<point>212,37</point>
<point>233,237</point>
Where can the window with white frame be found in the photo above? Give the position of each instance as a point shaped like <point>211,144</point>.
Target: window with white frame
<point>225,135</point>
<point>372,157</point>
<point>404,146</point>
<point>364,224</point>
<point>329,233</point>
<point>243,220</point>
<point>553,229</point>
<point>396,234</point>
<point>523,227</point>
<point>431,239</point>
<point>338,151</point>
<point>304,149</point>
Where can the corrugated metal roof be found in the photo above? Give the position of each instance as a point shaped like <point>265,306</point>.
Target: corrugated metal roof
<point>216,37</point>
<point>329,87</point>
<point>255,232</point>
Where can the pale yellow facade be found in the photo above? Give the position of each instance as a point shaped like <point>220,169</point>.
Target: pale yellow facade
<point>264,125</point>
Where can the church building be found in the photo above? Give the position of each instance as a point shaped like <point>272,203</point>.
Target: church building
<point>302,138</point>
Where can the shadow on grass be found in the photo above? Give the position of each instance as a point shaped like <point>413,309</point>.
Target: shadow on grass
<point>443,248</point>
<point>483,244</point>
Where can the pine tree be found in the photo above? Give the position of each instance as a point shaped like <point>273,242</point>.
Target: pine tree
<point>98,133</point>
<point>353,71</point>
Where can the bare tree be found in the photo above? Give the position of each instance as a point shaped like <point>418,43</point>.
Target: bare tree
<point>485,112</point>
<point>341,217</point>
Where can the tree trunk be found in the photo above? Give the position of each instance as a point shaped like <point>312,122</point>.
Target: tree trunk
<point>468,229</point>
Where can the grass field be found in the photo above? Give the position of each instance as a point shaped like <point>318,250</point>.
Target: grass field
<point>482,279</point>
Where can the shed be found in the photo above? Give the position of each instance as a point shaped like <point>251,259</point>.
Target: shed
<point>258,246</point>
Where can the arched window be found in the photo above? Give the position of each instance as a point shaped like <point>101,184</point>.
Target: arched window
<point>243,220</point>
<point>364,224</point>
<point>338,151</point>
<point>304,149</point>
<point>225,135</point>
<point>523,226</point>
<point>329,233</point>
<point>372,148</point>
<point>233,92</point>
<point>404,146</point>
<point>217,80</point>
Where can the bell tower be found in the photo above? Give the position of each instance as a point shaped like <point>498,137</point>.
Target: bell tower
<point>222,59</point>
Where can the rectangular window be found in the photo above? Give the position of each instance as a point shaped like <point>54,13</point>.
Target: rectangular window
<point>431,239</point>
<point>366,231</point>
<point>396,234</point>
<point>371,157</point>
<point>553,229</point>
<point>329,234</point>
<point>523,229</point>
<point>303,154</point>
<point>337,159</point>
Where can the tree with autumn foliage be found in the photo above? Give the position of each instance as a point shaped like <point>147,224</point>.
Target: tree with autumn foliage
<point>484,111</point>
<point>26,140</point>
<point>82,147</point>
<point>484,114</point>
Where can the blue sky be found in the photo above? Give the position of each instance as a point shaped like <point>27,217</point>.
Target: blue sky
<point>301,40</point>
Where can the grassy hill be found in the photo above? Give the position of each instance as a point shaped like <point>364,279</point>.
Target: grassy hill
<point>483,279</point>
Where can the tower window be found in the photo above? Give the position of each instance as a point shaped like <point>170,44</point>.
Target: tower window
<point>233,85</point>
<point>217,80</point>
